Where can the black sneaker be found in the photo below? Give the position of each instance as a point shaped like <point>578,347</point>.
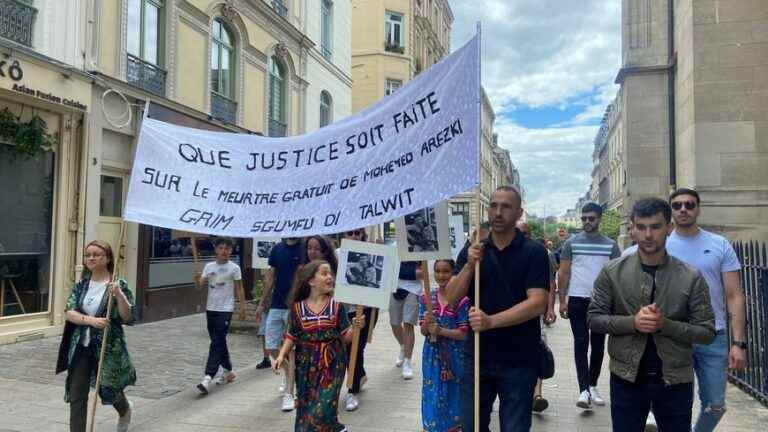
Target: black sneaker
<point>265,364</point>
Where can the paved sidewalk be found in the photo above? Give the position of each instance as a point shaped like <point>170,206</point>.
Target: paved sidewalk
<point>170,354</point>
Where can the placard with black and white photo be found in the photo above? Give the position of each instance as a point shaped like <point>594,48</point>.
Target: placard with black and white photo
<point>262,247</point>
<point>424,234</point>
<point>457,235</point>
<point>367,273</point>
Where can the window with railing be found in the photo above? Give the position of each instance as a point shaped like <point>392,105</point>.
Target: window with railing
<point>391,86</point>
<point>276,105</point>
<point>393,28</point>
<point>17,20</point>
<point>326,30</point>
<point>223,105</point>
<point>144,45</point>
<point>280,7</point>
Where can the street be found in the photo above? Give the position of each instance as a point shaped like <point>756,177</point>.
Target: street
<point>169,356</point>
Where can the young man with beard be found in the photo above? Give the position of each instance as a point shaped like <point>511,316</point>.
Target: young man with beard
<point>654,307</point>
<point>581,259</point>
<point>714,257</point>
<point>514,280</point>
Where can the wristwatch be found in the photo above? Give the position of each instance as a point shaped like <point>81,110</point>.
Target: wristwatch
<point>740,344</point>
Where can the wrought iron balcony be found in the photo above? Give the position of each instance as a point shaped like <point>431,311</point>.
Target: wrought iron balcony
<point>280,8</point>
<point>17,21</point>
<point>277,128</point>
<point>145,76</point>
<point>390,47</point>
<point>223,108</point>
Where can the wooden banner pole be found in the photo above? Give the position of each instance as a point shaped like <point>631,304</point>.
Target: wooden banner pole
<point>477,221</point>
<point>103,352</point>
<point>427,294</point>
<point>354,349</point>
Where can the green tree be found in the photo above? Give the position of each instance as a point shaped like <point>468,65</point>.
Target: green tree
<point>537,231</point>
<point>610,224</point>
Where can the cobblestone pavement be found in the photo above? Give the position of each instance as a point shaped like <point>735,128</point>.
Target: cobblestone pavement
<point>169,356</point>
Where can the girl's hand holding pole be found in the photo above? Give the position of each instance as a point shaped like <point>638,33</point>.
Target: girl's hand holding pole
<point>278,363</point>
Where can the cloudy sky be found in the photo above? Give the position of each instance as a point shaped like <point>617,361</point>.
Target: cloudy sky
<point>548,68</point>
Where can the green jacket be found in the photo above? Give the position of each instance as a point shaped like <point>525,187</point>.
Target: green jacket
<point>622,288</point>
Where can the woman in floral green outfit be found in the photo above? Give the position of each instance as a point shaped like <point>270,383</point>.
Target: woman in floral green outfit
<point>81,345</point>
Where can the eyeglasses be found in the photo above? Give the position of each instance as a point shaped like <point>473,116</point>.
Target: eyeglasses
<point>588,218</point>
<point>689,205</point>
<point>87,256</point>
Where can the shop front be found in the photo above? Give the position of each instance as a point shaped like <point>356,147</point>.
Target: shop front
<point>43,106</point>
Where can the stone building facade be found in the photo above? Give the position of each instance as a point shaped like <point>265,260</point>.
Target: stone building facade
<point>692,108</point>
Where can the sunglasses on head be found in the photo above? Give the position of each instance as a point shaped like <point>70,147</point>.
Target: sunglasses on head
<point>689,205</point>
<point>588,218</point>
<point>355,233</point>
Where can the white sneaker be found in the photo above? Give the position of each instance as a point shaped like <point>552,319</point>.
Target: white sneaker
<point>283,383</point>
<point>124,421</point>
<point>225,377</point>
<point>596,397</point>
<point>351,403</point>
<point>288,402</point>
<point>407,369</point>
<point>400,357</point>
<point>205,384</point>
<point>650,423</point>
<point>584,401</point>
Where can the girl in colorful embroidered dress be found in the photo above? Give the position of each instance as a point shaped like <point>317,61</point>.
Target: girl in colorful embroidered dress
<point>319,329</point>
<point>442,359</point>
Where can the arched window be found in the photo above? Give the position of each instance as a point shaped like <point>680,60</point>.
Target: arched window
<point>223,105</point>
<point>326,103</point>
<point>277,91</point>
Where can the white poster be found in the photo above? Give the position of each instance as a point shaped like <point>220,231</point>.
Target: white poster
<point>367,273</point>
<point>424,234</point>
<point>262,247</point>
<point>457,235</point>
<point>409,151</point>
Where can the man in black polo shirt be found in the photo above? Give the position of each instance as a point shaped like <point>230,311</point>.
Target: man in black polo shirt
<point>514,280</point>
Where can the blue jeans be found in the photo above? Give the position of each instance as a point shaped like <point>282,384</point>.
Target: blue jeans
<point>710,362</point>
<point>514,387</point>
<point>631,402</point>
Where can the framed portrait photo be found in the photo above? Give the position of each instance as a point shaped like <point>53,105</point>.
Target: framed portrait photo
<point>367,273</point>
<point>456,234</point>
<point>262,247</point>
<point>424,235</point>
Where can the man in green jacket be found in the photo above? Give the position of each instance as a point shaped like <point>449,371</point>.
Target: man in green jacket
<point>654,307</point>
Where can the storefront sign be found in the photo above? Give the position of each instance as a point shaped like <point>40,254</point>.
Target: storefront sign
<point>45,84</point>
<point>409,151</point>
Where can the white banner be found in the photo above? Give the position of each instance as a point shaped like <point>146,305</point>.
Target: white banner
<point>409,151</point>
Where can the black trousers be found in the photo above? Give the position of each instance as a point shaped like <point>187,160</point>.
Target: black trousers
<point>586,372</point>
<point>84,363</point>
<point>218,353</point>
<point>362,342</point>
<point>631,402</point>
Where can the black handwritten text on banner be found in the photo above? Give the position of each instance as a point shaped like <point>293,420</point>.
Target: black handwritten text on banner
<point>409,151</point>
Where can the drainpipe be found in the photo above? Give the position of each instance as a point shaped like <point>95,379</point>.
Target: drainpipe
<point>671,73</point>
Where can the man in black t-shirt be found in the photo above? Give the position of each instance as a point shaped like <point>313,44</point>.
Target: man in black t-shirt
<point>514,280</point>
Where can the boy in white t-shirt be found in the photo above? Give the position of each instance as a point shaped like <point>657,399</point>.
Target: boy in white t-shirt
<point>223,279</point>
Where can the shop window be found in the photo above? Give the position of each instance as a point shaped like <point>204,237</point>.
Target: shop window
<point>25,232</point>
<point>461,208</point>
<point>111,200</point>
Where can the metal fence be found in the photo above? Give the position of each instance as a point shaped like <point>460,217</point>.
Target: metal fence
<point>754,279</point>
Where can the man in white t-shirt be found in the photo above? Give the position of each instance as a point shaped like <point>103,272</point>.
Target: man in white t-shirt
<point>224,280</point>
<point>714,257</point>
<point>404,313</point>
